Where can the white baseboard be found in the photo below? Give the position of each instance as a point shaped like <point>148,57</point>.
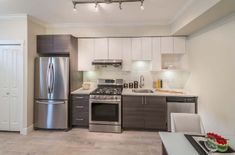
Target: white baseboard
<point>25,131</point>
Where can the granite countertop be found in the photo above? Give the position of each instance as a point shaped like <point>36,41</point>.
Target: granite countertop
<point>83,92</point>
<point>157,93</point>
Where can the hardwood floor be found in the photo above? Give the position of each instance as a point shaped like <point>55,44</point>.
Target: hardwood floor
<point>80,142</point>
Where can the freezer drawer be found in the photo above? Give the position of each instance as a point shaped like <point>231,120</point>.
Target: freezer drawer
<point>51,114</point>
<point>178,107</point>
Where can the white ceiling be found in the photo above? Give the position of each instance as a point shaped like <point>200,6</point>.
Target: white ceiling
<point>157,12</point>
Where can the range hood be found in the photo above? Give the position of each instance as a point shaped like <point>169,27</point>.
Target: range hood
<point>107,62</point>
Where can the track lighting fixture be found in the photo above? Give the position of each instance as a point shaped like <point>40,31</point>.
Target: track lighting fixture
<point>74,8</point>
<point>142,5</point>
<point>96,7</point>
<point>96,2</point>
<point>120,5</point>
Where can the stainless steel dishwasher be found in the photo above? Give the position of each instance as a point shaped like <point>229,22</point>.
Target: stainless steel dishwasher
<point>180,105</point>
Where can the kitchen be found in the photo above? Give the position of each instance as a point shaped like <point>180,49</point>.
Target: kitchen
<point>170,69</point>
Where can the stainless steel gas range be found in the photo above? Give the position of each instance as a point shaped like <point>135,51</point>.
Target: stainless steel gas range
<point>105,106</point>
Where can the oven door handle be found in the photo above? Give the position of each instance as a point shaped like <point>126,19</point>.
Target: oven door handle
<point>107,102</point>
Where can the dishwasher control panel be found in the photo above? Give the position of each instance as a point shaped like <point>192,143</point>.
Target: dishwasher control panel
<point>182,99</point>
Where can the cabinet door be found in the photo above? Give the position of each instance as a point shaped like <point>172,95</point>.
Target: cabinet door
<point>101,48</point>
<point>126,54</point>
<point>136,49</point>
<point>133,112</point>
<point>155,112</point>
<point>85,54</point>
<point>146,48</point>
<point>80,110</point>
<point>167,45</point>
<point>179,45</point>
<point>156,59</point>
<point>61,44</point>
<point>44,44</point>
<point>115,48</point>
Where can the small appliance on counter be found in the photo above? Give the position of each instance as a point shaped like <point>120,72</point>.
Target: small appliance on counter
<point>125,85</point>
<point>86,86</point>
<point>131,85</point>
<point>136,84</point>
<point>158,84</point>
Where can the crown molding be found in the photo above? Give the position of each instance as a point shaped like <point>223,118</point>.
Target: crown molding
<point>95,24</point>
<point>13,16</point>
<point>37,21</point>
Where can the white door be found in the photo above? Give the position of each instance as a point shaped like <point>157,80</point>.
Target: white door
<point>179,45</point>
<point>85,54</point>
<point>136,49</point>
<point>126,54</point>
<point>156,60</point>
<point>10,87</point>
<point>167,45</point>
<point>146,48</point>
<point>115,48</point>
<point>101,48</point>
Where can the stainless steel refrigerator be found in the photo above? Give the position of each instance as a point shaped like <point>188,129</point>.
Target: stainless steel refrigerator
<point>51,92</point>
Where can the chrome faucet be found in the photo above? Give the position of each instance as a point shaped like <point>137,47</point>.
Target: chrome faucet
<point>141,81</point>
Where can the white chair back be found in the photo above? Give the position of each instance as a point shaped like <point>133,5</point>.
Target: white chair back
<point>186,123</point>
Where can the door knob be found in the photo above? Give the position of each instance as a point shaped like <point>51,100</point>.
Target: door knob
<point>7,93</point>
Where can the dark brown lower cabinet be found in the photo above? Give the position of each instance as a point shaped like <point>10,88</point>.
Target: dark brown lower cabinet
<point>80,110</point>
<point>133,112</point>
<point>144,112</point>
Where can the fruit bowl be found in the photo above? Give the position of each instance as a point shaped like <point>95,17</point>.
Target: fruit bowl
<point>216,142</point>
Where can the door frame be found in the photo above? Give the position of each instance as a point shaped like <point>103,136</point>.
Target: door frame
<point>22,94</point>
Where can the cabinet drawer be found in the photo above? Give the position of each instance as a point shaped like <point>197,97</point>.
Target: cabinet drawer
<point>78,109</point>
<point>81,98</point>
<point>80,119</point>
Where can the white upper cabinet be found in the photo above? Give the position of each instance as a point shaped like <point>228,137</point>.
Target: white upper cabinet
<point>85,54</point>
<point>156,57</point>
<point>142,48</point>
<point>147,48</point>
<point>173,45</point>
<point>126,54</point>
<point>101,48</point>
<point>179,45</point>
<point>167,45</point>
<point>115,48</point>
<point>136,49</point>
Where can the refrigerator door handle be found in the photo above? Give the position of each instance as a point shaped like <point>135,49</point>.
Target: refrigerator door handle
<point>52,80</point>
<point>52,102</point>
<point>49,78</point>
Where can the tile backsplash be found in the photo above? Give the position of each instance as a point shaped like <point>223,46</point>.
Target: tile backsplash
<point>172,79</point>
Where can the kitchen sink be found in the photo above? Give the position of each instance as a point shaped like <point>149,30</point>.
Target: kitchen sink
<point>142,91</point>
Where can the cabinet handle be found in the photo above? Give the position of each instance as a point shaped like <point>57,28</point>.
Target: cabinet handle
<point>79,119</point>
<point>145,100</point>
<point>80,97</point>
<point>79,107</point>
<point>142,100</point>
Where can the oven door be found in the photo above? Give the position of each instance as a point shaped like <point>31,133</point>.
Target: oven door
<point>105,112</point>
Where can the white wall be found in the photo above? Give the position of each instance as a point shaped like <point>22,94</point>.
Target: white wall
<point>22,28</point>
<point>104,31</point>
<point>212,60</point>
<point>33,30</point>
<point>15,28</point>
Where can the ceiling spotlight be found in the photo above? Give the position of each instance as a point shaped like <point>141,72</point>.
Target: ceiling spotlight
<point>120,5</point>
<point>142,5</point>
<point>96,7</point>
<point>74,8</point>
